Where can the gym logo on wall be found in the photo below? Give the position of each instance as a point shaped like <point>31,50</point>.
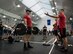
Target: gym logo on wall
<point>49,22</point>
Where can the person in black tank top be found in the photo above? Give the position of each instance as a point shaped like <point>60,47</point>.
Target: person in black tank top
<point>44,32</point>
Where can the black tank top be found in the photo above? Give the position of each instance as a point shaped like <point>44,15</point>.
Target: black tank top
<point>44,29</point>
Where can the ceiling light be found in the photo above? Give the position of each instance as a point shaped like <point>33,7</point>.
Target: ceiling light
<point>70,18</point>
<point>55,3</point>
<point>5,25</point>
<point>53,7</point>
<point>15,19</point>
<point>18,6</point>
<point>54,13</point>
<point>33,15</point>
<point>4,16</point>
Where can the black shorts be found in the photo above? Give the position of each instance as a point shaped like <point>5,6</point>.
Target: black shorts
<point>55,32</point>
<point>44,33</point>
<point>29,30</point>
<point>63,32</point>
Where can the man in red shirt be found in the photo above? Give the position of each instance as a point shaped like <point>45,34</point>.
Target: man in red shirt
<point>28,23</point>
<point>62,26</point>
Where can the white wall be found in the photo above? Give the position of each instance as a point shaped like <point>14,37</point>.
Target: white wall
<point>43,22</point>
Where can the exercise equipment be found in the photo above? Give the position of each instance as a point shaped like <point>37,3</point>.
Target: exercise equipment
<point>10,39</point>
<point>35,30</point>
<point>20,29</point>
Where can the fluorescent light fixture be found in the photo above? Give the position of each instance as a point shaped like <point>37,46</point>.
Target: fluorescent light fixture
<point>18,5</point>
<point>53,7</point>
<point>6,25</point>
<point>4,16</point>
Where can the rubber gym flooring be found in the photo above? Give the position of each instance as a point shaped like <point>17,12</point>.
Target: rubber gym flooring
<point>36,42</point>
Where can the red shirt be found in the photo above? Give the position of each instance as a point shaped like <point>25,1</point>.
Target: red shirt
<point>62,20</point>
<point>28,20</point>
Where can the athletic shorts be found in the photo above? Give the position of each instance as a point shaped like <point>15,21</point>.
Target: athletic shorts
<point>55,32</point>
<point>29,30</point>
<point>63,32</point>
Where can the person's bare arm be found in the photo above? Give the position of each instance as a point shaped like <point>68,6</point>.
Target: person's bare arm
<point>51,15</point>
<point>25,22</point>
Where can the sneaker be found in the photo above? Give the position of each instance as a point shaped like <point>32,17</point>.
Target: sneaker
<point>30,47</point>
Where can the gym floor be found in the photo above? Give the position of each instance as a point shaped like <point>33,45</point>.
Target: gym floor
<point>17,47</point>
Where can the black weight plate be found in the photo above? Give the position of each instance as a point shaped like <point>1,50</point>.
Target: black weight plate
<point>21,30</point>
